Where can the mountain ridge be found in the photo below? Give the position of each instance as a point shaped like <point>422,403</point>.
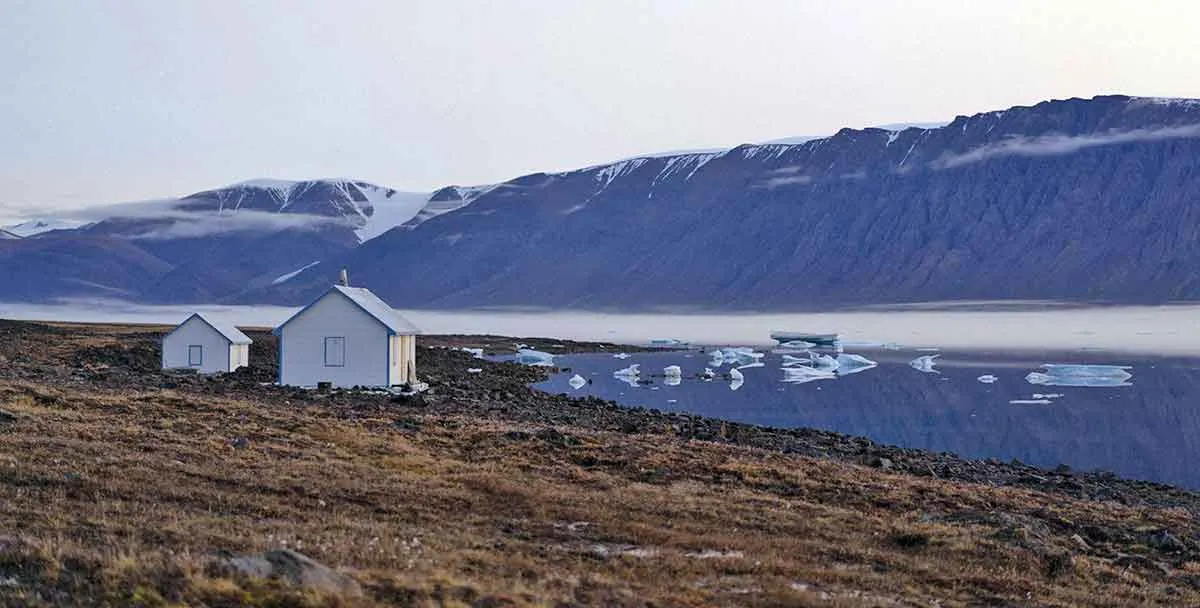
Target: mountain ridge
<point>1093,194</point>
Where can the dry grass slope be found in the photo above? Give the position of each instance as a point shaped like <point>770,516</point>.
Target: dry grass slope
<point>114,497</point>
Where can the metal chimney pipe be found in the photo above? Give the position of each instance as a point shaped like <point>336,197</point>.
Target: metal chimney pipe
<point>344,279</point>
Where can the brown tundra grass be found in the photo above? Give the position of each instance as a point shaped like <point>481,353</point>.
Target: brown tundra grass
<point>125,499</point>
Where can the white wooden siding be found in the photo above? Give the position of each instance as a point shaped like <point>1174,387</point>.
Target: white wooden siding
<point>302,346</point>
<point>195,332</point>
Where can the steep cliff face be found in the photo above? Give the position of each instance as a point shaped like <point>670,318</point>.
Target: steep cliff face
<point>1081,199</point>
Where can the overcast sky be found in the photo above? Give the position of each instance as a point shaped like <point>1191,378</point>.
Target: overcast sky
<point>117,100</point>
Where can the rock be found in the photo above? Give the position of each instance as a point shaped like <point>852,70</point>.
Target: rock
<point>1166,542</point>
<point>294,569</point>
<point>1080,543</point>
<point>7,416</point>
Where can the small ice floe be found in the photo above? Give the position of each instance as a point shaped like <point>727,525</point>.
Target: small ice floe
<point>987,379</point>
<point>852,364</point>
<point>667,343</point>
<point>737,379</point>
<point>628,372</point>
<point>673,380</point>
<point>925,363</point>
<point>577,382</point>
<point>752,365</point>
<point>803,373</point>
<point>1037,399</point>
<point>799,345</point>
<point>790,360</point>
<point>621,356</point>
<point>822,362</point>
<point>474,370</point>
<point>708,374</point>
<point>476,352</point>
<point>1081,375</point>
<point>673,371</point>
<point>740,355</point>
<point>527,356</point>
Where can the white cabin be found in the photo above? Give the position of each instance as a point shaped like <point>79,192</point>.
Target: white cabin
<point>206,346</point>
<point>347,337</point>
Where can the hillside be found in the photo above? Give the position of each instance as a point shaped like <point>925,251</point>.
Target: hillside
<point>1081,199</point>
<point>126,486</point>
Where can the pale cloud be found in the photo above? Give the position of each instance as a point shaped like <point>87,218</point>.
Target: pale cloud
<point>1053,145</point>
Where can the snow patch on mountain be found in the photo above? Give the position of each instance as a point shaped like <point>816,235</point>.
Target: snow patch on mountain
<point>36,226</point>
<point>392,211</point>
<point>283,278</point>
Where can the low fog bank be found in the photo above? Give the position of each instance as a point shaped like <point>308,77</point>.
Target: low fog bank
<point>1168,330</point>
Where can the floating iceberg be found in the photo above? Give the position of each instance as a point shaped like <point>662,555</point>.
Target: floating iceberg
<point>1030,402</point>
<point>708,374</point>
<point>987,379</point>
<point>673,371</point>
<point>621,356</point>
<point>925,363</point>
<point>852,364</point>
<point>667,343</point>
<point>1041,379</point>
<point>737,379</point>
<point>795,345</point>
<point>577,382</point>
<point>1057,374</point>
<point>630,380</point>
<point>477,352</point>
<point>751,365</point>
<point>526,356</point>
<point>739,355</point>
<point>1061,369</point>
<point>802,374</point>
<point>823,362</point>
<point>790,360</point>
<point>629,372</point>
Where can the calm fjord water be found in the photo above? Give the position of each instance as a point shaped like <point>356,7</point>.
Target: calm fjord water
<point>1147,430</point>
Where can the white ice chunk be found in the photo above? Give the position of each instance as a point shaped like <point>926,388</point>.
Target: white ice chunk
<point>751,365</point>
<point>790,360</point>
<point>987,379</point>
<point>474,370</point>
<point>737,379</point>
<point>709,374</point>
<point>577,382</point>
<point>822,362</point>
<point>925,363</point>
<point>1062,369</point>
<point>621,356</point>
<point>1030,402</point>
<point>803,373</point>
<point>795,345</point>
<point>673,371</point>
<point>1041,379</point>
<point>477,352</point>
<point>852,364</point>
<point>526,356</point>
<point>628,372</point>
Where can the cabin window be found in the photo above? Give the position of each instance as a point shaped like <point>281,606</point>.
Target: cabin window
<point>395,346</point>
<point>195,355</point>
<point>335,352</point>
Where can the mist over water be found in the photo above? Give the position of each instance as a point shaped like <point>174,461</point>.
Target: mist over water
<point>1166,330</point>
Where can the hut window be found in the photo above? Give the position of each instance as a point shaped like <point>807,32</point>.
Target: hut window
<point>335,352</point>
<point>195,355</point>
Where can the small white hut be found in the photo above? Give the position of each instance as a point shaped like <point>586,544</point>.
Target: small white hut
<point>347,337</point>
<point>206,346</point>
